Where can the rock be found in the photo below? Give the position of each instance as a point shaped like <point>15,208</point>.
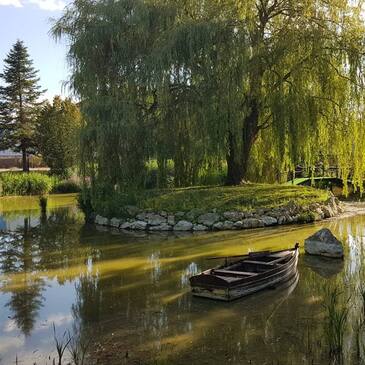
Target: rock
<point>324,243</point>
<point>162,227</point>
<point>291,207</point>
<point>269,221</point>
<point>115,222</point>
<point>327,211</point>
<point>208,219</point>
<point>218,226</point>
<point>228,225</point>
<point>125,225</point>
<point>233,216</point>
<point>171,219</point>
<point>238,225</point>
<point>141,216</point>
<point>155,219</point>
<point>199,227</point>
<point>193,214</point>
<point>132,210</point>
<point>282,220</point>
<point>253,223</point>
<point>138,225</point>
<point>183,226</point>
<point>101,221</point>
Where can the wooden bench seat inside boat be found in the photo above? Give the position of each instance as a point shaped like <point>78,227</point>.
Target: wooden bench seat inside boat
<point>233,273</point>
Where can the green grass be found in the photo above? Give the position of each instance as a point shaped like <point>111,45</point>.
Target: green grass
<point>222,198</point>
<point>34,183</point>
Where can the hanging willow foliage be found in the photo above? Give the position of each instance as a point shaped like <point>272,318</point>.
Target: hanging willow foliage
<point>261,84</point>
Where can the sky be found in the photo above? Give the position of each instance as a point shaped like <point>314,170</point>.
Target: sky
<point>30,21</point>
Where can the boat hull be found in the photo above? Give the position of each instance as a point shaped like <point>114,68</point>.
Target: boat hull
<point>280,277</point>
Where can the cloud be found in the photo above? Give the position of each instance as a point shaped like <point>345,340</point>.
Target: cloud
<point>15,3</point>
<point>48,5</point>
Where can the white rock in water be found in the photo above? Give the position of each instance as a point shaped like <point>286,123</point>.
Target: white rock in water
<point>324,243</point>
<point>101,221</point>
<point>183,226</point>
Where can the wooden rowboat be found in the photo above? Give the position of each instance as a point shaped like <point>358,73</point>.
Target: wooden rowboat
<point>250,274</point>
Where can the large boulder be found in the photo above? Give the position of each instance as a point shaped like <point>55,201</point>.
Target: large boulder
<point>208,219</point>
<point>183,226</point>
<point>324,243</point>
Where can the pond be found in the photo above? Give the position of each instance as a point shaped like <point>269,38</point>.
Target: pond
<point>129,294</point>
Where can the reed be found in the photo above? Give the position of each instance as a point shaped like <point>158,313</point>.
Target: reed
<point>61,344</point>
<point>77,349</point>
<point>336,322</point>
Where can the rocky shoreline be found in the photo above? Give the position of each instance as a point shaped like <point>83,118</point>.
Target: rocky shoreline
<point>197,220</point>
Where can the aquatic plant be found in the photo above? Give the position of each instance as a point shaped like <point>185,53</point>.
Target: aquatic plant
<point>336,321</point>
<point>61,344</point>
<point>77,349</point>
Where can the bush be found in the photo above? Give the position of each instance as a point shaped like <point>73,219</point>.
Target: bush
<point>66,187</point>
<point>307,217</point>
<point>25,184</point>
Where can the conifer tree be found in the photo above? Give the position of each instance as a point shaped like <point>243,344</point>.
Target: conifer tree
<point>19,102</point>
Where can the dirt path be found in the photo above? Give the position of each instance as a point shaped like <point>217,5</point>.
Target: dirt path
<point>352,209</point>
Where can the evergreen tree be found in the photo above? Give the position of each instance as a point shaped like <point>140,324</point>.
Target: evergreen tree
<point>19,102</point>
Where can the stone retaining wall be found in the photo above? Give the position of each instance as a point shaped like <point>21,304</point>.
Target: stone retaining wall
<point>197,220</point>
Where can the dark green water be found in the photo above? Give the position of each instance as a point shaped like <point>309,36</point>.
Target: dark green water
<point>130,294</point>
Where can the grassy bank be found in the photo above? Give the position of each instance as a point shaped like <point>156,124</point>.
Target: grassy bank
<point>223,198</point>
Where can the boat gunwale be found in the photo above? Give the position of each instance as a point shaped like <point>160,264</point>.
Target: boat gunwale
<point>251,280</point>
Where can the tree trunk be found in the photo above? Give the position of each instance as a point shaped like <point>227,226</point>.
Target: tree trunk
<point>25,160</point>
<point>238,158</point>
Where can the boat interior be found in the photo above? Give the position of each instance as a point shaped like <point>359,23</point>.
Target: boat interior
<point>253,265</point>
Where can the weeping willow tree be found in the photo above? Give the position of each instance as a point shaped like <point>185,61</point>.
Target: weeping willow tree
<point>200,82</point>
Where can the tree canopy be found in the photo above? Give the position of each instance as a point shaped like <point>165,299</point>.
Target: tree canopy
<point>57,135</point>
<point>260,85</point>
<point>19,102</point>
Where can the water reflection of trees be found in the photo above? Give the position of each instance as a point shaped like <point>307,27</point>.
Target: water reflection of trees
<point>27,255</point>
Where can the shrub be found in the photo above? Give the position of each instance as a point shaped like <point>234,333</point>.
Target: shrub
<point>307,217</point>
<point>66,187</point>
<point>25,184</point>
